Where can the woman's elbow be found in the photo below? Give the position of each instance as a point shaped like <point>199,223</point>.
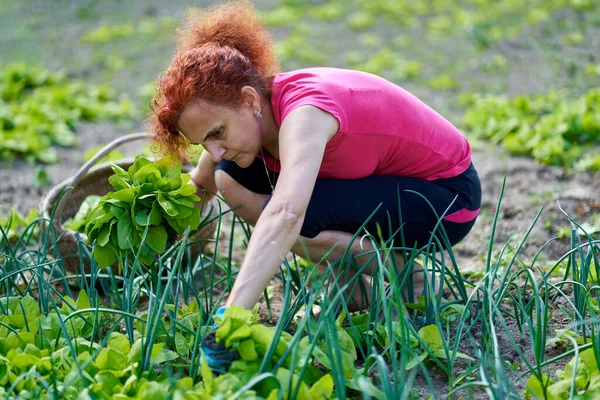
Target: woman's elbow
<point>289,216</point>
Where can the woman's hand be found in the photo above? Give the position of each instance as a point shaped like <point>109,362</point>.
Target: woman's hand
<point>217,356</point>
<point>203,177</point>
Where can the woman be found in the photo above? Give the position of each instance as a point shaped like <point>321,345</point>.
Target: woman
<point>308,155</point>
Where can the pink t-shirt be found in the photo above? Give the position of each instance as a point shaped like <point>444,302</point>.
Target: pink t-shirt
<point>384,130</point>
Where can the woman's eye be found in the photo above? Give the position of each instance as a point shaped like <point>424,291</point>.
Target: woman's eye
<point>218,133</point>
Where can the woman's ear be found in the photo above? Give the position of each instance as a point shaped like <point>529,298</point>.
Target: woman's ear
<point>251,98</point>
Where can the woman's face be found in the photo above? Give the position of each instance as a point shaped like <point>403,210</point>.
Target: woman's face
<point>226,133</point>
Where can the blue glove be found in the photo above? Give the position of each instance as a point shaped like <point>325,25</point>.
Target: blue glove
<point>216,354</point>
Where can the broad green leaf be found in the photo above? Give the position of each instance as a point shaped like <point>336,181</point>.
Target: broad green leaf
<point>365,386</point>
<point>181,345</point>
<point>138,164</point>
<point>3,375</point>
<point>80,219</point>
<point>142,218</point>
<point>535,388</point>
<point>119,342</point>
<point>119,209</point>
<point>224,329</point>
<point>156,350</point>
<point>164,356</point>
<point>453,312</point>
<point>185,190</point>
<point>206,372</point>
<point>154,390</point>
<point>291,381</point>
<point>119,171</point>
<point>29,307</point>
<point>243,332</point>
<point>107,383</point>
<point>24,361</point>
<point>83,301</point>
<point>194,219</point>
<point>323,388</point>
<point>135,352</point>
<point>125,195</point>
<point>124,227</point>
<point>156,213</point>
<point>419,305</point>
<point>346,343</point>
<point>105,256</point>
<point>157,238</point>
<point>104,234</point>
<point>119,182</point>
<point>247,350</point>
<point>9,303</point>
<point>175,182</point>
<point>431,336</point>
<point>262,336</point>
<point>167,205</point>
<point>109,359</point>
<point>147,174</point>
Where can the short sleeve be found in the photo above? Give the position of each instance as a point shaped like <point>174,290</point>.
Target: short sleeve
<point>296,94</point>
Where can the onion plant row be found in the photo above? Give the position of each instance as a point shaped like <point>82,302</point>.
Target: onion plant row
<point>96,333</point>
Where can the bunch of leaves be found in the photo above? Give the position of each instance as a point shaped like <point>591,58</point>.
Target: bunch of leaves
<point>37,349</point>
<point>422,344</point>
<point>552,128</point>
<point>580,377</point>
<point>592,228</point>
<point>40,109</point>
<point>258,344</point>
<point>152,204</point>
<point>15,224</point>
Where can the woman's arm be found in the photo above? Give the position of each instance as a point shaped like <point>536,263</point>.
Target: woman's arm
<point>302,139</point>
<point>203,177</point>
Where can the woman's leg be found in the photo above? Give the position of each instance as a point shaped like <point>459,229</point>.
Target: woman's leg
<point>338,208</point>
<point>248,205</point>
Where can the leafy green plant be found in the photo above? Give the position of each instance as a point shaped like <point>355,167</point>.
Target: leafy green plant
<point>15,224</point>
<point>552,128</point>
<point>239,331</point>
<point>152,204</point>
<point>40,109</point>
<point>579,378</point>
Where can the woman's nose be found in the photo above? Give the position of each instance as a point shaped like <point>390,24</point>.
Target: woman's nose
<point>216,151</point>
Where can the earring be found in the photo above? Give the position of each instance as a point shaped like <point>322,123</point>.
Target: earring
<point>258,115</point>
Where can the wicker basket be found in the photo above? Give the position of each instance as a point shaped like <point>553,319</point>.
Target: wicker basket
<point>89,181</point>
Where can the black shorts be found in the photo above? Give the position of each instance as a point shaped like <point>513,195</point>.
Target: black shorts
<point>413,203</point>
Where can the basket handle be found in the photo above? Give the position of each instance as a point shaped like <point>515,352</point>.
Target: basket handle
<point>104,151</point>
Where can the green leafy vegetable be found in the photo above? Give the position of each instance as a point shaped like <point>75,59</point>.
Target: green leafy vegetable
<point>552,128</point>
<point>40,109</point>
<point>152,204</point>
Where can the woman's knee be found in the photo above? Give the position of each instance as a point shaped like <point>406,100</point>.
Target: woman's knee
<point>245,203</point>
<point>226,185</point>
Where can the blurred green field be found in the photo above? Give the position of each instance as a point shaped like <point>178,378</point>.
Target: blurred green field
<point>434,48</point>
<point>439,50</point>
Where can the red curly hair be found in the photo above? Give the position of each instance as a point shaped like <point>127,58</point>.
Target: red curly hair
<point>220,50</point>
